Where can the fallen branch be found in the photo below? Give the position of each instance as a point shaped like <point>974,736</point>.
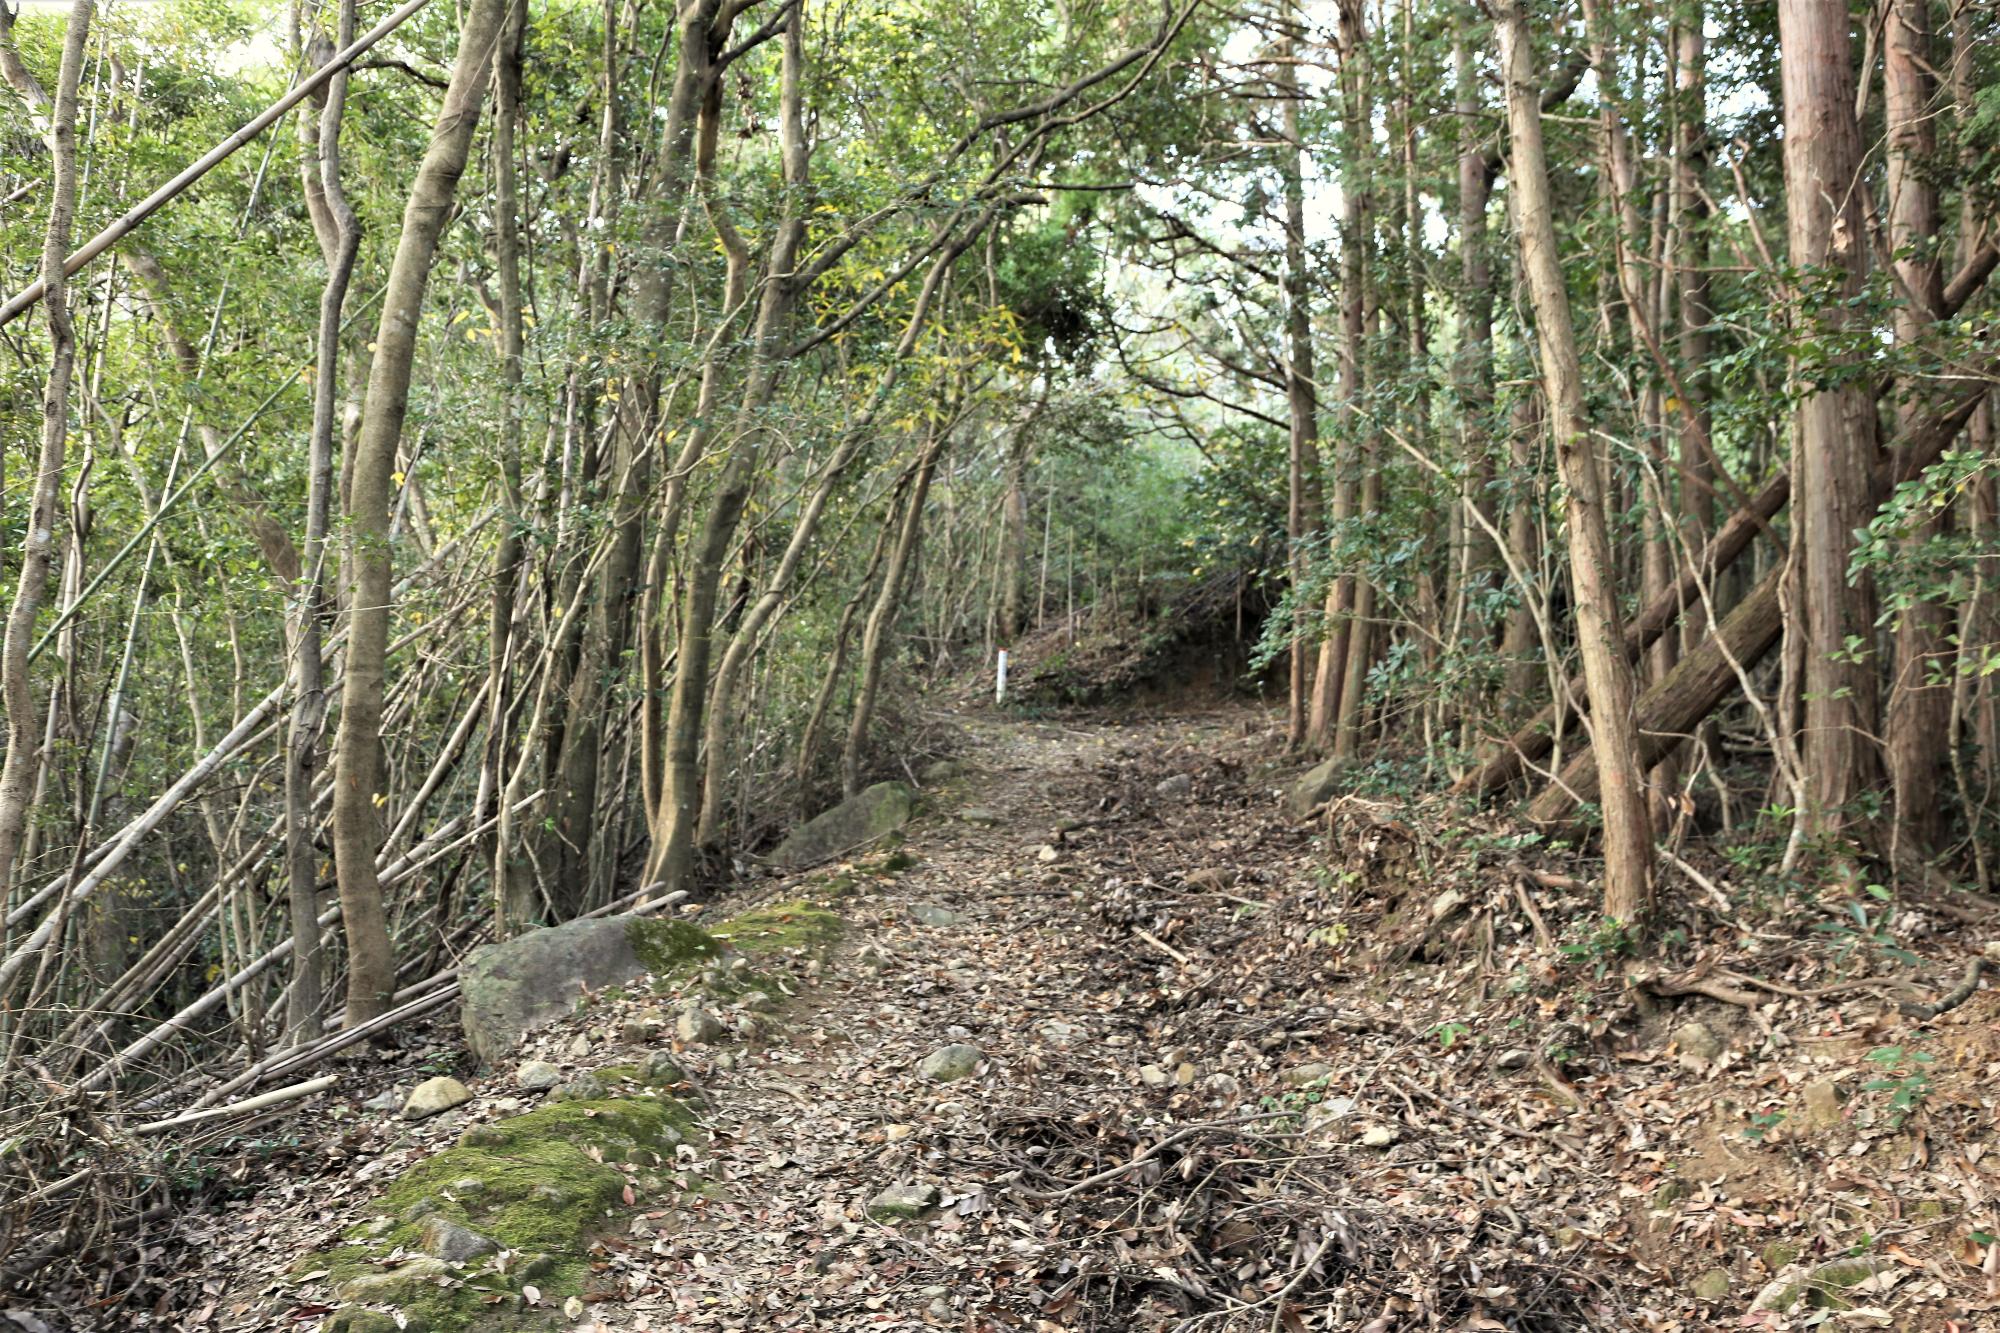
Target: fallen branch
<point>1542,936</point>
<point>1164,947</point>
<point>275,1097</point>
<point>1952,998</point>
<point>1112,1173</point>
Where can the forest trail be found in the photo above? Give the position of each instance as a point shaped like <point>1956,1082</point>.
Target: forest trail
<point>1220,1085</point>
<point>996,936</point>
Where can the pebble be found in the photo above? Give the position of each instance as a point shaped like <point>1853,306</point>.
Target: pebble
<point>949,1063</point>
<point>697,1025</point>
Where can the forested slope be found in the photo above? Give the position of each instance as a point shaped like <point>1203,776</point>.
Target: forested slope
<point>472,467</point>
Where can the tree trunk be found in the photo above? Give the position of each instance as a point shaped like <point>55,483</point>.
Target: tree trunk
<point>1520,637</point>
<point>1834,430</point>
<point>881,617</point>
<point>1473,368</point>
<point>339,234</point>
<point>1324,714</point>
<point>672,862</point>
<point>1305,509</point>
<point>1919,713</point>
<point>358,765</point>
<point>17,775</point>
<point>1361,634</point>
<point>1628,846</point>
<point>512,887</point>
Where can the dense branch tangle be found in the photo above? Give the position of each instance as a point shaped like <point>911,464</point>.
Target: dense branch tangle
<point>463,690</point>
<point>683,390</point>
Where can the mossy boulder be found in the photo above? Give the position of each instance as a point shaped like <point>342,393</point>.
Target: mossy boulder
<point>539,1186</point>
<point>512,987</point>
<point>1314,788</point>
<point>862,819</point>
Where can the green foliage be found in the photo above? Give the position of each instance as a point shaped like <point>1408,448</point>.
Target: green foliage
<point>1600,946</point>
<point>1905,1077</point>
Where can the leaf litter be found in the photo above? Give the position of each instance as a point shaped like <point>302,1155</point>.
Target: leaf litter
<point>1239,1073</point>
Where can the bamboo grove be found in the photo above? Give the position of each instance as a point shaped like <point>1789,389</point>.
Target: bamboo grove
<point>548,451</point>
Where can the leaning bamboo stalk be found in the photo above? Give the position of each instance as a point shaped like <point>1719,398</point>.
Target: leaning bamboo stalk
<point>214,157</point>
<point>414,860</point>
<point>275,1097</point>
<point>411,1002</point>
<point>239,736</point>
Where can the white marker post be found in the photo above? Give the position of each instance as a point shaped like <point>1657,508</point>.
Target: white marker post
<point>1000,678</point>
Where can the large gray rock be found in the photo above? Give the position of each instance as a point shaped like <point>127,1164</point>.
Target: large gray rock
<point>517,985</point>
<point>1314,788</point>
<point>865,817</point>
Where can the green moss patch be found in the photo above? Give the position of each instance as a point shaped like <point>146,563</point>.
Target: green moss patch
<point>781,928</point>
<point>666,947</point>
<point>540,1184</point>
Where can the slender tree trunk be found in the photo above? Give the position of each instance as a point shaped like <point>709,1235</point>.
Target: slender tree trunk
<point>858,432</point>
<point>1324,714</point>
<point>17,775</point>
<point>1474,364</point>
<point>358,763</point>
<point>1690,271</point>
<point>1628,846</point>
<point>672,862</point>
<point>1636,292</point>
<point>1305,511</point>
<point>513,890</point>
<point>574,814</point>
<point>1520,638</point>
<point>881,617</point>
<point>1361,635</point>
<point>1919,713</point>
<point>836,662</point>
<point>339,234</point>
<point>1834,430</point>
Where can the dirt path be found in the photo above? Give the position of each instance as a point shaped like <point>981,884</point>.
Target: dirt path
<point>990,938</point>
<point>981,942</point>
<point>1233,1074</point>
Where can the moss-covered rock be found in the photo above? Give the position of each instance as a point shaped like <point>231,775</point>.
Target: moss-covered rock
<point>514,986</point>
<point>358,1319</point>
<point>781,928</point>
<point>861,820</point>
<point>668,947</point>
<point>1823,1287</point>
<point>540,1185</point>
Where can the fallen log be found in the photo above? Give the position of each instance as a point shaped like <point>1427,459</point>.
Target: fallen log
<point>1534,740</point>
<point>1669,712</point>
